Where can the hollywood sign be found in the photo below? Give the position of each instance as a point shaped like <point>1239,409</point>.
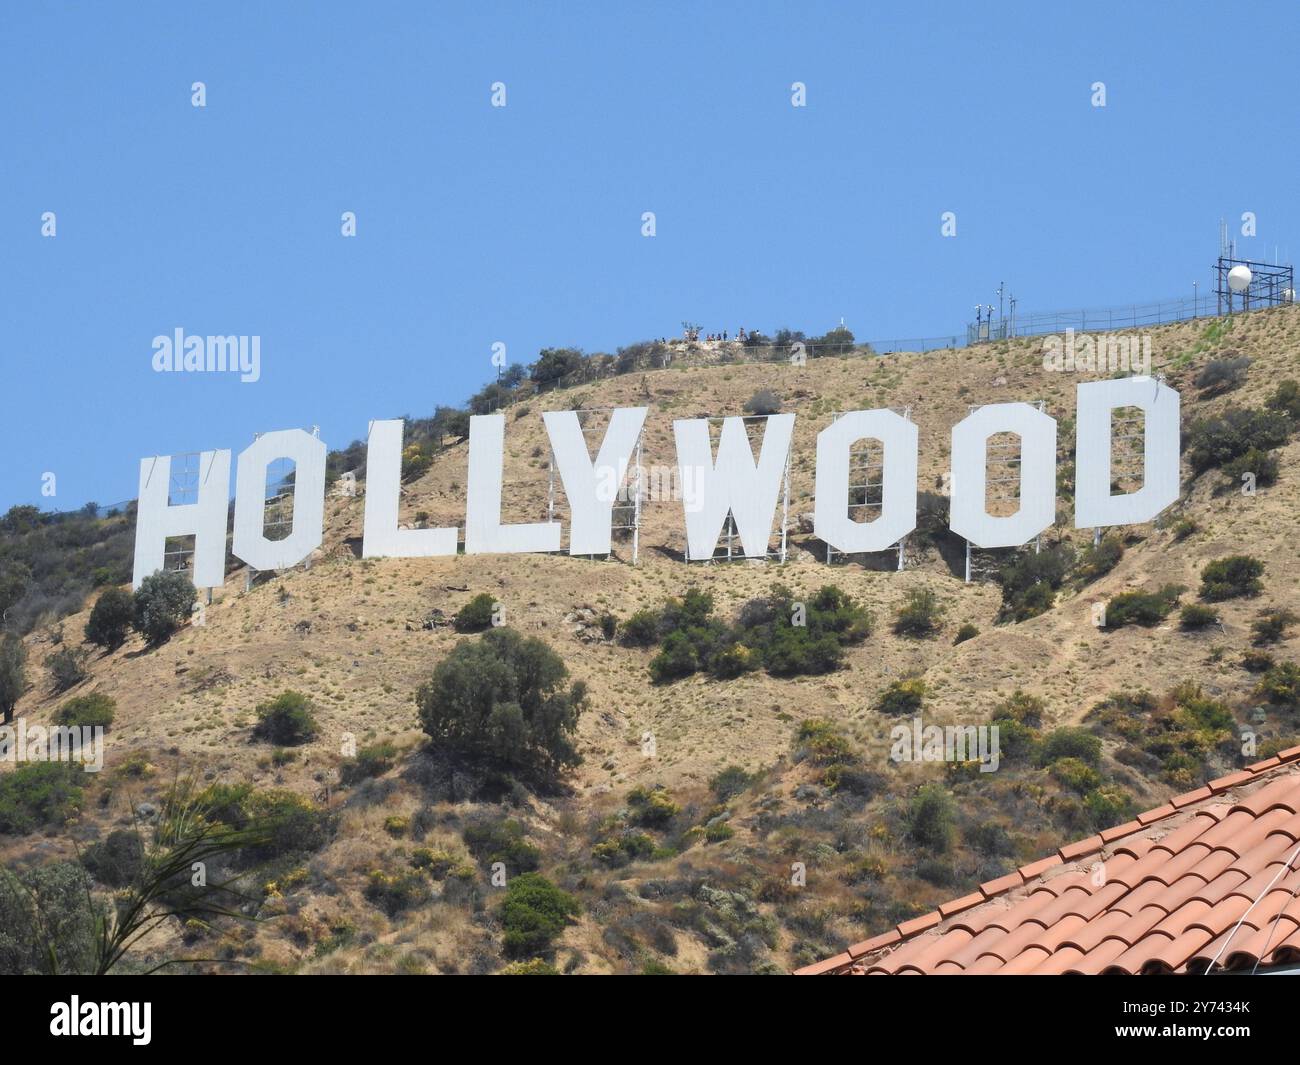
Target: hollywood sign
<point>728,482</point>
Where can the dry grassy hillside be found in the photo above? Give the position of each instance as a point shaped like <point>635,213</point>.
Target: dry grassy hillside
<point>349,634</point>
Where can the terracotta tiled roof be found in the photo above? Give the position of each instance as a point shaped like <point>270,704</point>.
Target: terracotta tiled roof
<point>1204,876</point>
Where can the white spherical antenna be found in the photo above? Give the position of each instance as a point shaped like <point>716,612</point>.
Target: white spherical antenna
<point>1239,278</point>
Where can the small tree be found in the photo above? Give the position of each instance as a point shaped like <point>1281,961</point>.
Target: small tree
<point>87,711</point>
<point>534,913</point>
<point>476,615</point>
<point>13,674</point>
<point>931,818</point>
<point>67,668</point>
<point>503,700</point>
<point>1231,578</point>
<point>920,615</point>
<point>110,620</point>
<point>286,720</point>
<point>162,604</point>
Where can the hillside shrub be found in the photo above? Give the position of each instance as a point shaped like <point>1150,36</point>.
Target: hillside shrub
<point>534,914</point>
<point>287,720</point>
<point>920,615</point>
<point>1142,608</point>
<point>1271,626</point>
<point>902,696</point>
<point>1099,559</point>
<point>1070,742</point>
<point>1217,440</point>
<point>1197,616</point>
<point>115,860</point>
<point>764,401</point>
<point>503,701</point>
<point>110,620</point>
<point>1280,685</point>
<point>371,761</point>
<point>1223,375</point>
<point>476,615</point>
<point>162,604</point>
<point>1231,578</point>
<point>87,711</point>
<point>932,818</point>
<point>36,794</point>
<point>1031,580</point>
<point>1286,398</point>
<point>492,841</point>
<point>67,668</point>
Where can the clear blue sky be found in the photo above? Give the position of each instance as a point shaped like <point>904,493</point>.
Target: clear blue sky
<point>522,224</point>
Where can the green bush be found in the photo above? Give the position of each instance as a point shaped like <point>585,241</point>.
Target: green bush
<point>1286,398</point>
<point>1142,608</point>
<point>903,696</point>
<point>1070,742</point>
<point>287,720</point>
<point>730,782</point>
<point>1075,774</point>
<point>676,659</point>
<point>13,673</point>
<point>786,636</point>
<point>1261,464</point>
<point>372,761</point>
<point>536,967</point>
<point>1280,685</point>
<point>1099,559</point>
<point>36,794</point>
<point>653,807</point>
<point>502,700</point>
<point>476,615</point>
<point>920,614</point>
<point>1231,578</point>
<point>640,630</point>
<point>162,604</point>
<point>1030,581</point>
<point>502,841</point>
<point>117,859</point>
<point>436,863</point>
<point>395,893</point>
<point>1223,375</point>
<point>48,921</point>
<point>966,632</point>
<point>289,823</point>
<point>619,851</point>
<point>931,818</point>
<point>67,668</point>
<point>1109,805</point>
<point>1256,661</point>
<point>1215,441</point>
<point>1197,616</point>
<point>821,742</point>
<point>1270,627</point>
<point>1022,708</point>
<point>534,914</point>
<point>87,711</point>
<point>110,620</point>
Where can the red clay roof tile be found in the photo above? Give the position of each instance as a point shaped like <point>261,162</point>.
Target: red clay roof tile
<point>1002,883</point>
<point>1189,797</point>
<point>963,903</point>
<point>1205,874</point>
<point>1078,850</point>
